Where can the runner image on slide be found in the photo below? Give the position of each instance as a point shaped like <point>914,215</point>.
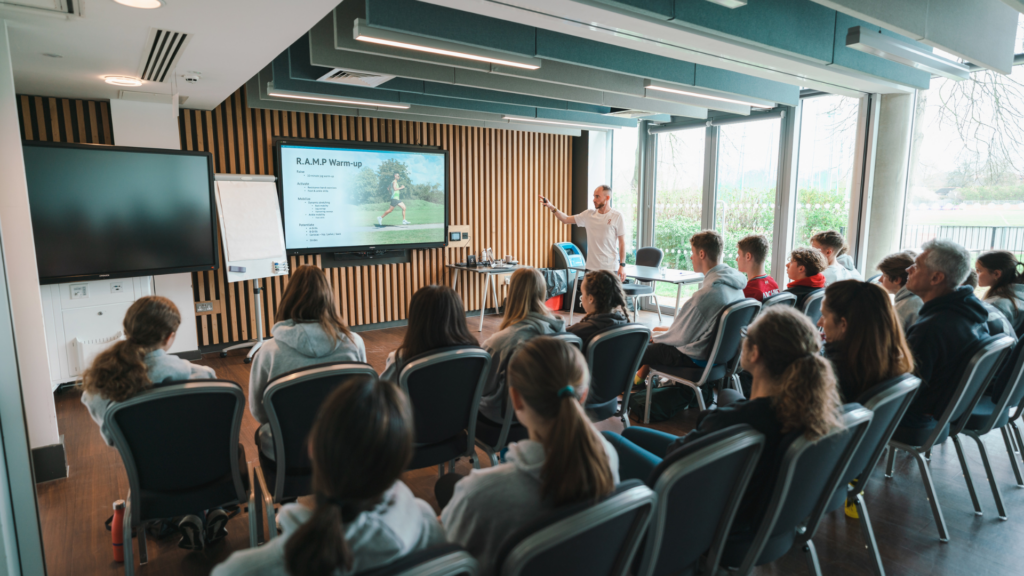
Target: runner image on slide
<point>396,189</point>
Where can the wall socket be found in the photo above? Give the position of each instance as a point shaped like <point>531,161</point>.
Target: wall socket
<point>116,287</point>
<point>79,291</point>
<point>204,306</point>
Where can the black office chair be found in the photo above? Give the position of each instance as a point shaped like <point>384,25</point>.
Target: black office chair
<point>888,402</point>
<point>292,402</point>
<point>812,305</point>
<point>179,445</point>
<point>444,387</point>
<point>613,358</point>
<point>652,257</point>
<point>780,299</point>
<point>977,373</point>
<point>570,338</point>
<point>584,539</point>
<point>716,469</point>
<point>990,412</point>
<point>443,560</point>
<point>808,475</point>
<point>724,357</point>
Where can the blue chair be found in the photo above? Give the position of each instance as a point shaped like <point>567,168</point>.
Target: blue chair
<point>812,305</point>
<point>613,358</point>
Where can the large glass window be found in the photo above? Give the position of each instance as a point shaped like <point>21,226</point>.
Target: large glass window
<point>748,170</point>
<point>678,202</point>
<point>626,183</point>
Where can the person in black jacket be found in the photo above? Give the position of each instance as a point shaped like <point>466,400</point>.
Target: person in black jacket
<point>605,302</point>
<point>951,324</point>
<point>794,391</point>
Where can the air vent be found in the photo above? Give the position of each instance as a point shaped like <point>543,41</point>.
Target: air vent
<point>342,76</point>
<point>627,113</point>
<point>161,54</point>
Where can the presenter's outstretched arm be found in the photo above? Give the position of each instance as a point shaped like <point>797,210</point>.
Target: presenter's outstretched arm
<point>563,217</point>
<point>622,258</point>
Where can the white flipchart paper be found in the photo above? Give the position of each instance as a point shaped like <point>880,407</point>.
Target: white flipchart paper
<point>252,221</point>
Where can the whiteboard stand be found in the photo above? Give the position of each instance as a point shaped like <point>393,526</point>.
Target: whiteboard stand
<point>258,342</point>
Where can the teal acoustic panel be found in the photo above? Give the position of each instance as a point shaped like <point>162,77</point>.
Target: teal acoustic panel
<point>797,26</point>
<point>741,84</point>
<point>574,50</point>
<point>610,121</point>
<point>443,23</point>
<point>876,65</point>
<point>661,9</point>
<point>580,107</point>
<point>470,93</point>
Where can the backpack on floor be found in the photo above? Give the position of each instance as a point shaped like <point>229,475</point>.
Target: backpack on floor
<point>665,403</point>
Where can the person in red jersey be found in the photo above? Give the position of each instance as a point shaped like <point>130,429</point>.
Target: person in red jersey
<point>752,253</point>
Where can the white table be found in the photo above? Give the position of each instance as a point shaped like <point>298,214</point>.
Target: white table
<point>488,275</point>
<point>644,274</point>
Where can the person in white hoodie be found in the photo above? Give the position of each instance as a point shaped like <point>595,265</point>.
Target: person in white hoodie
<point>363,516</point>
<point>688,341</point>
<point>999,271</point>
<point>564,461</point>
<point>308,331</point>
<point>840,265</point>
<point>526,317</point>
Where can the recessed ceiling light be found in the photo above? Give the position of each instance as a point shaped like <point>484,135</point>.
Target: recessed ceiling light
<point>52,55</point>
<point>144,4</point>
<point>122,80</point>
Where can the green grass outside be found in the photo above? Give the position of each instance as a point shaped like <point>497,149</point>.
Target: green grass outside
<point>400,236</point>
<point>988,216</point>
<point>417,211</point>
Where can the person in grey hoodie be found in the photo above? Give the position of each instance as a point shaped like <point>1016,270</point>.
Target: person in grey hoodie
<point>362,515</point>
<point>688,341</point>
<point>308,331</point>
<point>563,462</point>
<point>894,279</point>
<point>526,317</point>
<point>998,270</point>
<point>139,361</point>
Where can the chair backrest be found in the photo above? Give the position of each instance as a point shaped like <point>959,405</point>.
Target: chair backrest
<point>728,332</point>
<point>613,358</point>
<point>180,440</point>
<point>292,401</point>
<point>444,387</point>
<point>570,338</point>
<point>976,376</point>
<point>443,560</point>
<point>780,299</point>
<point>716,467</point>
<point>809,473</point>
<point>874,279</point>
<point>1007,390</point>
<point>812,305</point>
<point>582,539</point>
<point>649,256</point>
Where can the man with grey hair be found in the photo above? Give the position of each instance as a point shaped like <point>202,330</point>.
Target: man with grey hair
<point>949,327</point>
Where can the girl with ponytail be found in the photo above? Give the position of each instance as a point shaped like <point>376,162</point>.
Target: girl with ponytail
<point>362,516</point>
<point>605,303</point>
<point>1000,272</point>
<point>564,461</point>
<point>134,364</point>
<point>793,390</point>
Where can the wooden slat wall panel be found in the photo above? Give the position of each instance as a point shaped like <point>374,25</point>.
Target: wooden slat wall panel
<point>496,176</point>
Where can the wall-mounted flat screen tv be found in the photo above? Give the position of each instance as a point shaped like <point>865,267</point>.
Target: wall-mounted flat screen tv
<point>118,212</point>
<point>341,196</point>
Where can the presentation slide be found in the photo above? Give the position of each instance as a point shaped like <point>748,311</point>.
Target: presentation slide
<point>341,197</point>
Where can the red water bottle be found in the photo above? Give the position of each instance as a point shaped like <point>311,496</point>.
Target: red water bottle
<point>117,531</point>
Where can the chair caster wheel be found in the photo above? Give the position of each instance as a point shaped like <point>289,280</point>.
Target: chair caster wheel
<point>223,354</point>
<point>248,360</point>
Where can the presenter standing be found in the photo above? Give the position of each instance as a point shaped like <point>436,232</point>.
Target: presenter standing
<point>396,200</point>
<point>606,232</point>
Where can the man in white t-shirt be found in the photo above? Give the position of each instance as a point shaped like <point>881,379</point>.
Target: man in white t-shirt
<point>606,232</point>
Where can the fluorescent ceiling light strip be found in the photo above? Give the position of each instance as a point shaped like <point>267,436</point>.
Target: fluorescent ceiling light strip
<point>559,123</point>
<point>709,97</point>
<point>443,52</point>
<point>900,52</point>
<point>277,94</point>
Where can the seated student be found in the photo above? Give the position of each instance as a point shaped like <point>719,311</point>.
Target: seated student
<point>688,341</point>
<point>436,320</point>
<point>526,317</point>
<point>864,338</point>
<point>134,365</point>
<point>565,461</point>
<point>997,321</point>
<point>998,270</point>
<point>894,279</point>
<point>793,390</point>
<point>603,299</point>
<point>951,324</point>
<point>840,266</point>
<point>804,270</point>
<point>307,331</point>
<point>362,515</point>
<point>752,251</point>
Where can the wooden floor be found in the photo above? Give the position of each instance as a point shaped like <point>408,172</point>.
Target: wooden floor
<point>73,509</point>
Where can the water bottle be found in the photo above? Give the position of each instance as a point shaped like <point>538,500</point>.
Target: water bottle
<point>117,531</point>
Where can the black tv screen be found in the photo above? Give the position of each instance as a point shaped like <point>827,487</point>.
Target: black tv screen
<point>354,196</point>
<point>117,212</point>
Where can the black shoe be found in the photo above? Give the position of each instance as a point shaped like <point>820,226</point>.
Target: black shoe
<point>191,530</point>
<point>216,526</point>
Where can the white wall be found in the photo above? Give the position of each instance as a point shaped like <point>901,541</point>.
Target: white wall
<point>22,273</point>
<point>599,168</point>
<point>156,126</point>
